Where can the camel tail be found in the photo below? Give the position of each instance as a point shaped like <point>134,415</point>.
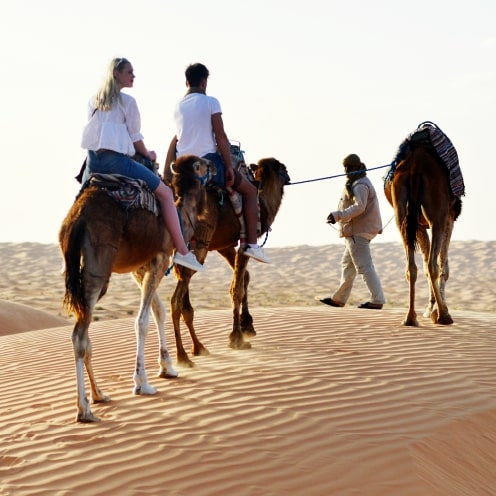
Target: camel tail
<point>74,298</point>
<point>413,211</point>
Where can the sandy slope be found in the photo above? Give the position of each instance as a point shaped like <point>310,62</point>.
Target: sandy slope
<point>327,402</point>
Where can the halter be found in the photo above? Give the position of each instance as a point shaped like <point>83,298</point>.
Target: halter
<point>205,178</point>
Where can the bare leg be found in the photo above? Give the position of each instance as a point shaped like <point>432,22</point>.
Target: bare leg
<point>166,200</point>
<point>250,209</point>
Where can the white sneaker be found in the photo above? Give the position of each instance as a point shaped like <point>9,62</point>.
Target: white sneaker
<point>189,260</point>
<point>257,253</point>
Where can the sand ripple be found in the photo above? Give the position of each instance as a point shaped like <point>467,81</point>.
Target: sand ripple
<point>328,401</point>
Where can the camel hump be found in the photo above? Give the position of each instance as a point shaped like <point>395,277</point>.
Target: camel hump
<point>429,133</point>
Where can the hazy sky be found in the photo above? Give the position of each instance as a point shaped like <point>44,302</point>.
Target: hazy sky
<point>306,82</point>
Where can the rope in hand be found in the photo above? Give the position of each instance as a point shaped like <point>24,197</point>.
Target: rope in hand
<point>341,175</point>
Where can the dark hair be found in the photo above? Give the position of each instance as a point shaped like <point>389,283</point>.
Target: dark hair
<point>196,73</point>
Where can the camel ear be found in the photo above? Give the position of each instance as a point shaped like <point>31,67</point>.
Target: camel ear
<point>172,165</point>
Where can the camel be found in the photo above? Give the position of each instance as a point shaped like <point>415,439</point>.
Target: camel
<point>99,237</point>
<point>218,229</point>
<point>421,196</point>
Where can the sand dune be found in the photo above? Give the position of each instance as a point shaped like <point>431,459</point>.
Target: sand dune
<point>327,402</point>
<point>31,276</point>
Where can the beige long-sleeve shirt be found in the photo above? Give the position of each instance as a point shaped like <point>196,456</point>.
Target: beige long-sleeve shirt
<point>359,216</point>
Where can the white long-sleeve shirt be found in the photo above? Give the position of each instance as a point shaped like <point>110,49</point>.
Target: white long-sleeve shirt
<point>116,129</point>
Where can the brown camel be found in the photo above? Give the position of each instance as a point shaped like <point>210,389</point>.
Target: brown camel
<point>422,199</point>
<point>218,229</point>
<point>99,237</point>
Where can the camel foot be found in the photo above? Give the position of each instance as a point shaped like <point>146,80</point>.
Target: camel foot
<point>86,418</point>
<point>144,389</point>
<point>168,373</point>
<point>445,320</point>
<point>410,322</point>
<point>249,332</point>
<point>185,362</point>
<point>200,351</point>
<point>243,345</point>
<point>101,398</point>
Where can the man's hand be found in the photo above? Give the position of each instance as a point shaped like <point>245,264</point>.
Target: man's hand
<point>331,219</point>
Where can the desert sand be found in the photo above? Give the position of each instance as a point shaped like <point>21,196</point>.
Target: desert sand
<point>328,401</point>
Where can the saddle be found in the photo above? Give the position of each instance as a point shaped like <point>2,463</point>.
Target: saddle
<point>129,193</point>
<point>428,133</point>
<point>236,199</point>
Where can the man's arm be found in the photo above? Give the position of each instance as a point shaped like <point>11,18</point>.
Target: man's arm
<point>171,156</point>
<point>223,146</point>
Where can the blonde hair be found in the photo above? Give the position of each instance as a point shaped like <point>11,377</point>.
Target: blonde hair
<point>109,92</point>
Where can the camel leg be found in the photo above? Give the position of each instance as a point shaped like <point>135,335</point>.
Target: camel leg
<point>411,276</point>
<point>96,394</point>
<point>197,348</point>
<point>399,204</point>
<point>80,343</point>
<point>246,320</point>
<point>93,287</point>
<point>425,248</point>
<point>148,286</point>
<point>178,300</point>
<point>236,340</point>
<point>439,272</point>
<point>167,370</point>
<point>443,261</point>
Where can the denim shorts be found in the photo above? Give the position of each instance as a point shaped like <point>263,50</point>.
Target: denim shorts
<point>220,177</point>
<point>109,162</point>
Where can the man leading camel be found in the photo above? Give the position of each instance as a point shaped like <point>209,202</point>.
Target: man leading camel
<point>360,221</point>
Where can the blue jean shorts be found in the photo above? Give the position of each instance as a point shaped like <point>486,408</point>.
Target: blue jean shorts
<point>220,178</point>
<point>109,162</point>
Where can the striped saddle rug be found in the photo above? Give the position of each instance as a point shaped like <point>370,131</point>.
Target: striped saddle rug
<point>128,192</point>
<point>446,151</point>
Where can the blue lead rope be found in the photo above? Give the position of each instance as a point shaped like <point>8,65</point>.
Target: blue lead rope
<point>338,175</point>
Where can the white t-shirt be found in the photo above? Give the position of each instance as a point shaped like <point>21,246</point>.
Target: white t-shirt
<point>116,129</point>
<point>193,116</point>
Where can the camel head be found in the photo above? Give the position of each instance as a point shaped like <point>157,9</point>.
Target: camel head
<point>271,176</point>
<point>267,169</point>
<point>191,172</point>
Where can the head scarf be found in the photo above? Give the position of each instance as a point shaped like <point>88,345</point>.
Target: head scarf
<point>355,169</point>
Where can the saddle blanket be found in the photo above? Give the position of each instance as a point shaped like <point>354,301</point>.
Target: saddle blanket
<point>238,160</point>
<point>444,148</point>
<point>128,192</point>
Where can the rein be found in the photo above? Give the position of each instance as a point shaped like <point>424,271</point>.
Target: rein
<point>338,175</point>
<point>333,177</point>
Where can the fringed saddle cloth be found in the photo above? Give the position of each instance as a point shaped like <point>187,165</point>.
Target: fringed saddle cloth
<point>238,161</point>
<point>128,192</point>
<point>446,151</point>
